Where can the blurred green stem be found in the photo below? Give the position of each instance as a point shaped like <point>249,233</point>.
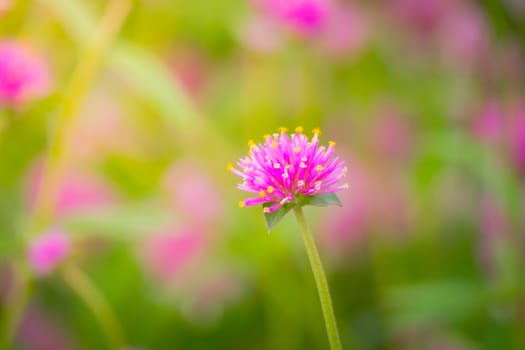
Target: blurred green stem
<point>89,64</point>
<point>320,281</point>
<point>84,75</point>
<point>17,301</point>
<point>96,302</point>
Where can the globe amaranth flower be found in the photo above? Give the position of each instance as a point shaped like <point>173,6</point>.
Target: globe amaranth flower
<point>23,75</point>
<point>289,168</point>
<point>48,250</point>
<point>303,16</point>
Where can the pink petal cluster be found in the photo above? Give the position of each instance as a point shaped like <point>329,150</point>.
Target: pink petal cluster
<point>23,75</point>
<point>503,125</point>
<point>303,16</point>
<point>287,167</point>
<point>48,250</point>
<point>78,192</point>
<point>169,254</point>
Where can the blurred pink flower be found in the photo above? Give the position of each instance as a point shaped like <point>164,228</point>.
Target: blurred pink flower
<point>168,254</point>
<point>371,203</point>
<point>191,69</point>
<point>518,139</point>
<point>101,128</point>
<point>78,192</point>
<point>303,16</point>
<point>23,75</point>
<point>423,16</point>
<point>493,219</point>
<point>344,228</point>
<point>5,5</point>
<point>463,35</point>
<point>39,331</point>
<point>345,32</point>
<point>505,125</point>
<point>488,125</point>
<point>260,33</point>
<point>48,250</point>
<point>392,135</point>
<point>194,194</point>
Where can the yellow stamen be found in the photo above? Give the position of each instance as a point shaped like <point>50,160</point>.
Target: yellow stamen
<point>316,131</point>
<point>262,193</point>
<point>299,129</point>
<point>297,149</point>
<point>250,143</point>
<point>241,204</point>
<point>282,129</point>
<point>274,144</point>
<point>331,143</point>
<point>319,168</point>
<point>266,136</point>
<point>269,189</point>
<point>229,166</point>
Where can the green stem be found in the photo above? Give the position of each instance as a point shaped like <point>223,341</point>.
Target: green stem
<point>83,77</point>
<point>89,64</point>
<point>320,281</point>
<point>98,305</point>
<point>17,301</point>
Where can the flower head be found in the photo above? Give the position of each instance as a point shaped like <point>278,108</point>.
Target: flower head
<point>303,16</point>
<point>23,76</point>
<point>287,168</point>
<point>47,251</point>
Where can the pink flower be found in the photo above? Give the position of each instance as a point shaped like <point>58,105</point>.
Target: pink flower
<point>464,37</point>
<point>489,123</point>
<point>424,16</point>
<point>39,331</point>
<point>285,168</point>
<point>191,70</point>
<point>77,192</point>
<point>392,135</point>
<point>48,250</point>
<point>303,16</point>
<point>168,254</point>
<point>23,75</point>
<point>193,193</point>
<point>345,32</point>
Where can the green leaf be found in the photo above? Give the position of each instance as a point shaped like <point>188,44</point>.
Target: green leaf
<point>274,217</point>
<point>321,200</point>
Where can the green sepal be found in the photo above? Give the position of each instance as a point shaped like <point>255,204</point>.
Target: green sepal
<point>274,217</point>
<point>320,200</point>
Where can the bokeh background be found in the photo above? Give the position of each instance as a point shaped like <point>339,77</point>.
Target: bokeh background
<point>118,149</point>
